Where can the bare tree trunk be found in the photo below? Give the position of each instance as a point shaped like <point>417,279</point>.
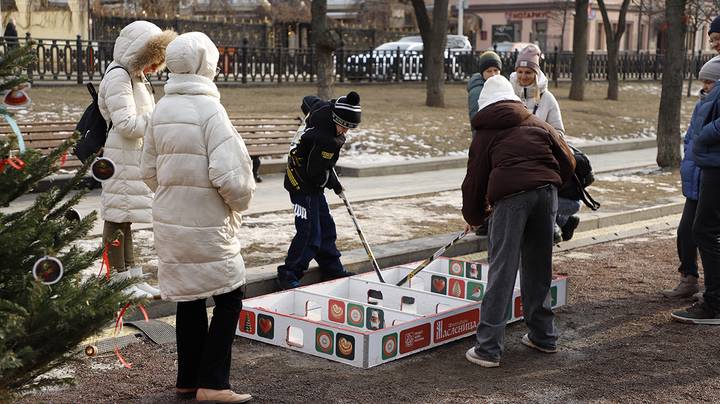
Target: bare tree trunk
<point>612,71</point>
<point>613,45</point>
<point>579,66</point>
<point>668,128</point>
<point>325,41</point>
<point>434,37</point>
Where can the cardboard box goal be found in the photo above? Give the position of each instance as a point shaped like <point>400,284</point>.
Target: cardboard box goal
<point>363,322</point>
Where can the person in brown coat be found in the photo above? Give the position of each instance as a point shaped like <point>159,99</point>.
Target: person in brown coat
<point>517,163</point>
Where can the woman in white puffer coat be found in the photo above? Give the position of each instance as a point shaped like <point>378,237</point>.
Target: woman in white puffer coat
<point>201,173</point>
<point>126,102</point>
<point>530,84</point>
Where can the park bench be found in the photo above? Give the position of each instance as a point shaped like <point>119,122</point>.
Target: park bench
<point>264,136</point>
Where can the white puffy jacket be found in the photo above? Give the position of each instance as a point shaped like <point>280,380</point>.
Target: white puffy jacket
<point>548,108</point>
<point>125,198</point>
<point>201,173</point>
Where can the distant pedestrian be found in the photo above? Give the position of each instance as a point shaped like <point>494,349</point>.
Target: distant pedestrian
<point>706,226</point>
<point>200,170</point>
<point>690,174</point>
<point>310,170</point>
<point>11,34</point>
<point>517,162</point>
<point>489,65</point>
<point>530,84</point>
<point>126,102</point>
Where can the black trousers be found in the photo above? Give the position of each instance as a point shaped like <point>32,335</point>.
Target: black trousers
<point>204,354</point>
<point>706,230</point>
<point>686,246</point>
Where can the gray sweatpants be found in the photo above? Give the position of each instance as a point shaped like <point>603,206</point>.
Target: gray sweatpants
<point>520,235</point>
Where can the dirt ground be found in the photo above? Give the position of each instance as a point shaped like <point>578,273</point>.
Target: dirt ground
<point>396,122</point>
<point>617,344</point>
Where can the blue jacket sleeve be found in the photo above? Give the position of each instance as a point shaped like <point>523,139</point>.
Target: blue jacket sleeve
<point>710,134</point>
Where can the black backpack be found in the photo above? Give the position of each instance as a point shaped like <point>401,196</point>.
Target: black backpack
<point>584,177</point>
<point>92,126</point>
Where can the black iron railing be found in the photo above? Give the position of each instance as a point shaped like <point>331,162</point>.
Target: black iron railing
<point>81,61</point>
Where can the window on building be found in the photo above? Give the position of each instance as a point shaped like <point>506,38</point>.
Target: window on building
<point>641,37</point>
<point>540,34</point>
<point>517,29</point>
<point>627,36</point>
<point>600,37</point>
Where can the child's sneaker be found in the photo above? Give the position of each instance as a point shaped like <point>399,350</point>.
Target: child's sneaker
<point>474,358</point>
<point>528,342</point>
<point>698,313</point>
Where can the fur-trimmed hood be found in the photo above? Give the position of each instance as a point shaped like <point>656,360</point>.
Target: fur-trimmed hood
<point>141,44</point>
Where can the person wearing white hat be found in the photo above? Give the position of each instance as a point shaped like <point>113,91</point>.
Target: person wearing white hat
<point>516,165</point>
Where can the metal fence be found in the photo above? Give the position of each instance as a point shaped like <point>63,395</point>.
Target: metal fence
<point>80,61</point>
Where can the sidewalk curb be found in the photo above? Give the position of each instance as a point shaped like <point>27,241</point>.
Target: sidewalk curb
<point>276,166</point>
<point>261,280</point>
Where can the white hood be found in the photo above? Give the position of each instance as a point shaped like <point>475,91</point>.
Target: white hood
<point>541,82</point>
<point>192,53</point>
<point>132,40</point>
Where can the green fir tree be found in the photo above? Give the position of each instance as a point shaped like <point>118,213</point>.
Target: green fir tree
<point>41,325</point>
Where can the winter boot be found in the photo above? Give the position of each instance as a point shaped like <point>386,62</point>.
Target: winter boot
<point>144,286</point>
<point>557,235</point>
<point>568,230</point>
<point>699,296</point>
<point>221,396</point>
<point>687,287</point>
<point>287,280</point>
<point>482,230</point>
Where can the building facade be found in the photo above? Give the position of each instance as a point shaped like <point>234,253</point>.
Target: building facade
<point>549,24</point>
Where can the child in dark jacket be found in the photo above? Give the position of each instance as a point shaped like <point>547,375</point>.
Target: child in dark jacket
<point>517,162</point>
<point>309,171</point>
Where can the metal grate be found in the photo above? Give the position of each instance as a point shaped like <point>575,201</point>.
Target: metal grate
<point>157,331</point>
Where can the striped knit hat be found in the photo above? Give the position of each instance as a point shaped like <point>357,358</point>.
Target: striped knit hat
<point>346,111</point>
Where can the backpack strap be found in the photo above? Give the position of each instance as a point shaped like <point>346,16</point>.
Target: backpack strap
<point>585,195</point>
<point>537,104</point>
<point>120,67</point>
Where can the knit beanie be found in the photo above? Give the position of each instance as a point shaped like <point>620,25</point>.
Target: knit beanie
<point>346,111</point>
<point>489,59</point>
<point>710,70</point>
<point>529,57</point>
<point>496,89</point>
<point>714,25</point>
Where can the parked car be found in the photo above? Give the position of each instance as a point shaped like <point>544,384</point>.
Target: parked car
<point>503,47</point>
<point>381,64</point>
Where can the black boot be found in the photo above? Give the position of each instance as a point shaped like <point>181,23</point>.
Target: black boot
<point>568,230</point>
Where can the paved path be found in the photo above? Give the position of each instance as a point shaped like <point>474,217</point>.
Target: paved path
<point>270,195</point>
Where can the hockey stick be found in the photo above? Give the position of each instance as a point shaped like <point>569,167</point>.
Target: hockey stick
<point>432,258</point>
<point>365,244</point>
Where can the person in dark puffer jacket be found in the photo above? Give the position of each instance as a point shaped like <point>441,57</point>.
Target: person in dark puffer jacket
<point>309,171</point>
<point>690,175</point>
<point>517,162</point>
<point>706,226</point>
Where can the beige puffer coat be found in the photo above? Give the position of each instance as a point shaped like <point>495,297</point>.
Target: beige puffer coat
<point>201,173</point>
<point>125,99</point>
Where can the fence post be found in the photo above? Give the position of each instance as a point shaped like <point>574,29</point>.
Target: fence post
<point>655,67</point>
<point>555,67</point>
<point>79,59</point>
<point>591,66</point>
<point>397,64</point>
<point>341,63</point>
<point>244,58</point>
<point>28,40</point>
<point>698,64</point>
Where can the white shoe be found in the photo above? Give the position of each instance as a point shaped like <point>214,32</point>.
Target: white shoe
<point>528,342</point>
<point>137,293</point>
<point>474,358</point>
<point>136,272</point>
